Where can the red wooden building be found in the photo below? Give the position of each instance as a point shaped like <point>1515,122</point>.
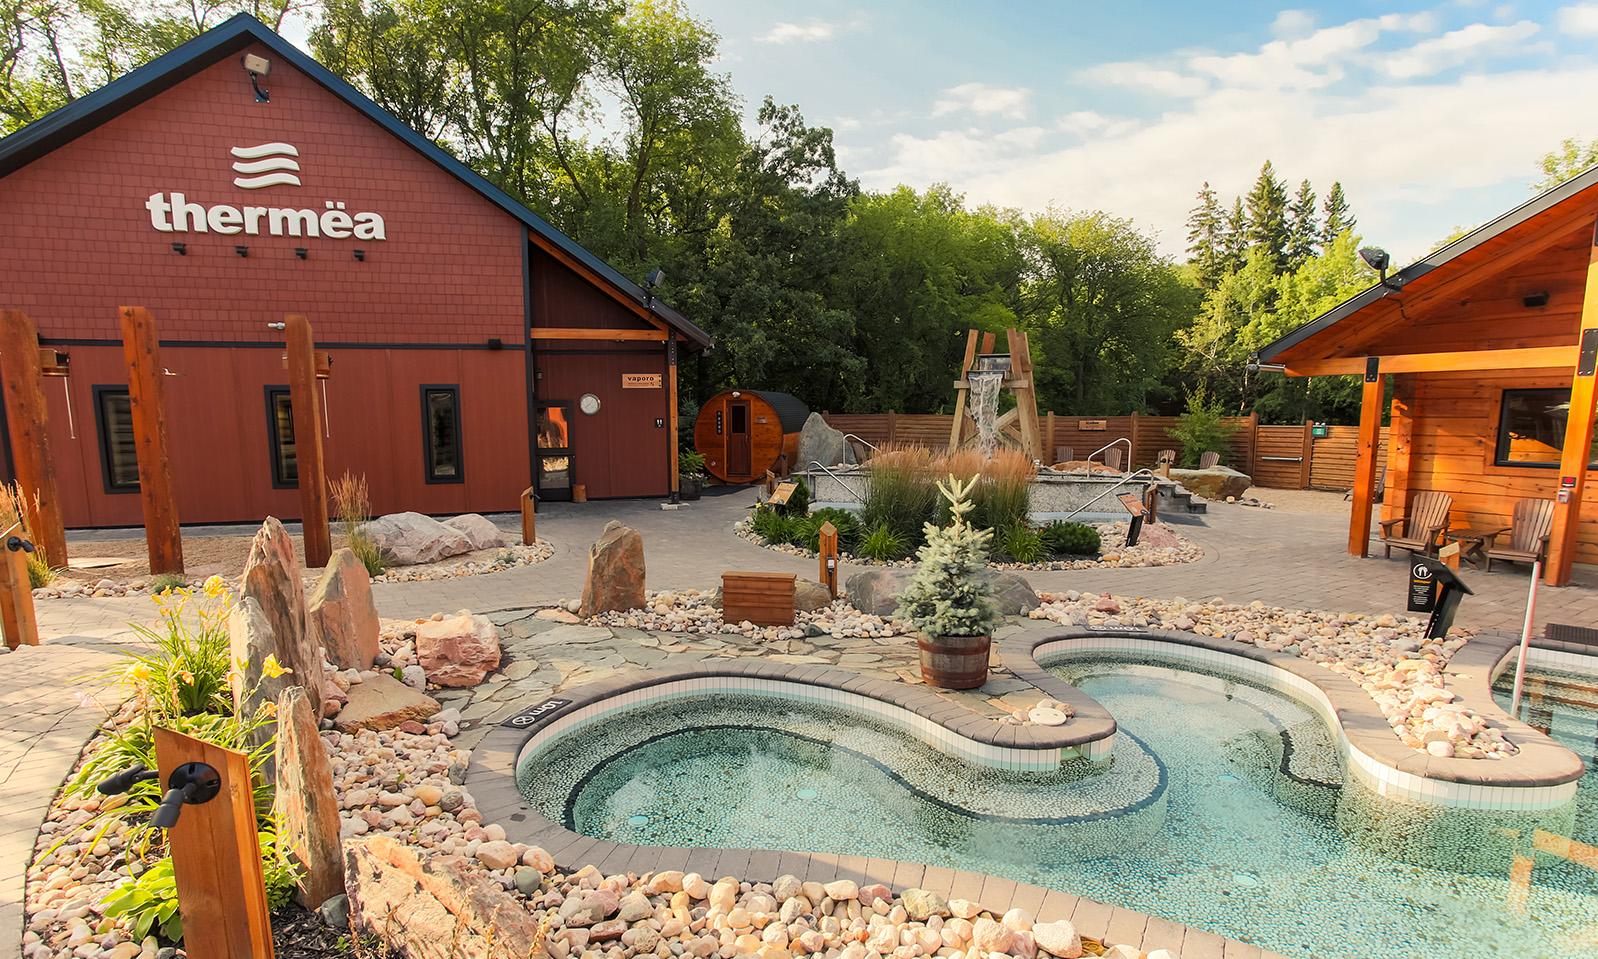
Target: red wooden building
<point>474,348</point>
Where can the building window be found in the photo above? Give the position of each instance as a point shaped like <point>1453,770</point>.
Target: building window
<point>119,460</point>
<point>1531,428</point>
<point>441,433</point>
<point>280,431</point>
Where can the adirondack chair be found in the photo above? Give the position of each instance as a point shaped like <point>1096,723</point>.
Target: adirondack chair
<point>1381,489</point>
<point>1165,458</point>
<point>1064,454</point>
<point>1112,457</point>
<point>1422,526</point>
<point>1209,460</point>
<point>1530,526</point>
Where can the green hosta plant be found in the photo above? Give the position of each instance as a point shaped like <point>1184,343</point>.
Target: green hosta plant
<point>946,597</point>
<point>149,902</point>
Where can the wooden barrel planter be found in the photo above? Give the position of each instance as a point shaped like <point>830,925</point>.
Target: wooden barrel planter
<point>954,662</point>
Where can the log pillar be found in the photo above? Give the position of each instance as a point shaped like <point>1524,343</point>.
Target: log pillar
<point>1400,441</point>
<point>308,440</point>
<point>30,441</point>
<point>671,415</point>
<point>1370,436</point>
<point>141,348</point>
<point>1578,436</point>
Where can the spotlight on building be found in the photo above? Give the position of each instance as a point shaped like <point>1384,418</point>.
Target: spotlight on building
<point>1534,300</point>
<point>1379,260</point>
<point>656,277</point>
<point>258,67</point>
<point>360,254</point>
<point>242,250</point>
<point>301,252</point>
<point>181,249</point>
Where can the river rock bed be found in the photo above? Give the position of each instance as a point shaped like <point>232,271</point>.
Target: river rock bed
<point>1388,656</point>
<point>471,564</point>
<point>699,611</point>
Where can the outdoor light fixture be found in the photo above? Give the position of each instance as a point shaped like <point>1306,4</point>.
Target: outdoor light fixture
<point>301,252</point>
<point>656,277</point>
<point>1378,259</point>
<point>180,249</point>
<point>1255,366</point>
<point>1532,300</point>
<point>495,343</point>
<point>257,67</point>
<point>360,254</point>
<point>242,250</point>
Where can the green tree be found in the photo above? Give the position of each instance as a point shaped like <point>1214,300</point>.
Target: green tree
<point>1267,216</point>
<point>1336,217</point>
<point>1206,224</point>
<point>1234,238</point>
<point>1303,229</point>
<point>1572,157</point>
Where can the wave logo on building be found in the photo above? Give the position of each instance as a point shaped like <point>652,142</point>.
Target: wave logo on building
<point>270,164</point>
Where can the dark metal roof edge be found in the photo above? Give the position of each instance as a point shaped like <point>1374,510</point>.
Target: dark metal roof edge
<point>791,410</point>
<point>72,120</point>
<point>1539,204</point>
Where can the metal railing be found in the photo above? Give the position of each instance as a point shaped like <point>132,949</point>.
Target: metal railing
<point>852,491</point>
<point>1111,443</point>
<point>1120,483</point>
<point>862,441</point>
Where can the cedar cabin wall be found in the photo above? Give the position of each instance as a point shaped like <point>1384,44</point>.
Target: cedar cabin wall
<point>767,441</point>
<point>1452,447</point>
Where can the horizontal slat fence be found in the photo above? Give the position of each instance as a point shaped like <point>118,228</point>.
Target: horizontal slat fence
<point>1332,461</point>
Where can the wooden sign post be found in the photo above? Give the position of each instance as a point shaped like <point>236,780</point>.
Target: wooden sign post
<point>529,518</point>
<point>216,857</point>
<point>827,539</point>
<point>30,442</point>
<point>308,439</point>
<point>141,348</point>
<point>16,592</point>
<point>1136,511</point>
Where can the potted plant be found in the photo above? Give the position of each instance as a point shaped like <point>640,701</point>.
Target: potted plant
<point>690,474</point>
<point>947,601</point>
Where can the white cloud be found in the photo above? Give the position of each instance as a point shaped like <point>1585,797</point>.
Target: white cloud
<point>983,100</point>
<point>1145,77</point>
<point>1468,44</point>
<point>810,31</point>
<point>1579,19</point>
<point>1085,123</point>
<point>1292,23</point>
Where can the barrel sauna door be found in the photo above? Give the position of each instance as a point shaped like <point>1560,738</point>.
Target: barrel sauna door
<point>738,450</point>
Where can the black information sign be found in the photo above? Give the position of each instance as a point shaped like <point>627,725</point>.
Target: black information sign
<point>1436,589</point>
<point>1134,507</point>
<point>531,715</point>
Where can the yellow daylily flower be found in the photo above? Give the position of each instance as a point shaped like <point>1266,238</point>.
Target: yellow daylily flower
<point>214,586</point>
<point>272,669</point>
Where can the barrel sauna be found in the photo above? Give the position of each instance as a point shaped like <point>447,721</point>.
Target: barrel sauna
<point>744,433</point>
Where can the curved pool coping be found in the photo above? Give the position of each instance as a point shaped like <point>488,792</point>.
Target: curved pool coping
<point>1542,775</point>
<point>491,780</point>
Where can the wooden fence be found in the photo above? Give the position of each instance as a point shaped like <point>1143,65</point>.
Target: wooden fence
<point>1279,457</point>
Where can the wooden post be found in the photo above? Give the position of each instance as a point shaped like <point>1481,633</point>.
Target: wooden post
<point>216,859</point>
<point>1131,454</point>
<point>26,418</point>
<point>957,427</point>
<point>1306,454</point>
<point>1048,438</point>
<point>893,427</point>
<point>308,440</point>
<point>827,539</point>
<point>1370,435</point>
<point>1400,432</point>
<point>529,517</point>
<point>671,422</point>
<point>21,626</point>
<point>141,348</point>
<point>1578,436</point>
<point>1253,442</point>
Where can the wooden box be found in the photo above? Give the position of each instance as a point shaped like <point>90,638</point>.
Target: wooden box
<point>765,599</point>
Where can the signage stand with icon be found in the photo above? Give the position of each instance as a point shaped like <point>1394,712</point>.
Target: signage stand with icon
<point>1435,589</point>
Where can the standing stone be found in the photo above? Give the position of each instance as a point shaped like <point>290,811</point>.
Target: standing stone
<point>615,572</point>
<point>272,581</point>
<point>479,530</point>
<point>305,801</point>
<point>457,650</point>
<point>341,604</point>
<point>820,443</point>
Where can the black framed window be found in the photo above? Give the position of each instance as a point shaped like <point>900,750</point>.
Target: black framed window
<point>441,433</point>
<point>280,433</point>
<point>119,459</point>
<point>1531,429</point>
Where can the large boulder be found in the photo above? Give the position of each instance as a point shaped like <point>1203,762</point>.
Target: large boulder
<point>406,539</point>
<point>341,604</point>
<point>271,620</point>
<point>1217,482</point>
<point>877,591</point>
<point>383,702</point>
<point>305,802</point>
<point>457,650</point>
<point>808,596</point>
<point>615,572</point>
<point>479,531</point>
<point>820,443</point>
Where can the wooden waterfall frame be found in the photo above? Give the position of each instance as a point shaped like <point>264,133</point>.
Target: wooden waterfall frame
<point>1018,426</point>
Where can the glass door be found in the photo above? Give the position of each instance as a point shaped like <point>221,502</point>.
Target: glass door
<point>555,467</point>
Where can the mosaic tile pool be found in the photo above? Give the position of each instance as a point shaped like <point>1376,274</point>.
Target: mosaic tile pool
<point>1222,808</point>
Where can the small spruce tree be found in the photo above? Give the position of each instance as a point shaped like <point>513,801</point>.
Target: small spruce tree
<point>945,597</point>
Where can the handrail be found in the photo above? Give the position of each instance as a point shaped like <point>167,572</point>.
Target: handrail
<point>1120,439</point>
<point>1120,483</point>
<point>862,441</point>
<point>852,491</point>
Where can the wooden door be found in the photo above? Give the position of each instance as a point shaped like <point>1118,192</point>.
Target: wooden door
<point>556,468</point>
<point>738,447</point>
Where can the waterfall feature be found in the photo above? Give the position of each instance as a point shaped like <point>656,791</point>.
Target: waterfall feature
<point>984,401</point>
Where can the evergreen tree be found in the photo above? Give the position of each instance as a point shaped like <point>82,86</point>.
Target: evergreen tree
<point>1206,226</point>
<point>1234,239</point>
<point>1337,219</point>
<point>1303,229</point>
<point>1267,216</point>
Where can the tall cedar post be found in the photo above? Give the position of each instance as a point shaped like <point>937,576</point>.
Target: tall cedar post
<point>141,348</point>
<point>529,517</point>
<point>957,426</point>
<point>1134,439</point>
<point>26,418</point>
<point>308,440</point>
<point>671,415</point>
<point>827,557</point>
<point>1048,442</point>
<point>17,620</point>
<point>1400,432</point>
<point>1306,453</point>
<point>893,427</point>
<point>1253,428</point>
<point>1370,435</point>
<point>216,858</point>
<point>1578,436</point>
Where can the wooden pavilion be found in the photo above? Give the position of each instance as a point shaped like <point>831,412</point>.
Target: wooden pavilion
<point>1491,344</point>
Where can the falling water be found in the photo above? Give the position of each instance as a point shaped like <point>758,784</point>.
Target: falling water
<point>985,407</point>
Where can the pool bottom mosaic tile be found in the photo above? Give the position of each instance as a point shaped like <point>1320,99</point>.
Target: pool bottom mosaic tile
<point>1250,837</point>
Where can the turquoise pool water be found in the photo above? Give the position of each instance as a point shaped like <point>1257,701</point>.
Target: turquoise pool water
<point>1223,808</point>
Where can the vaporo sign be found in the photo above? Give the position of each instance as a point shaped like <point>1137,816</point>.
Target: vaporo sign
<point>259,167</point>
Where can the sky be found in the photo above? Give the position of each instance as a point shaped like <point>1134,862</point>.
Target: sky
<point>1432,115</point>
